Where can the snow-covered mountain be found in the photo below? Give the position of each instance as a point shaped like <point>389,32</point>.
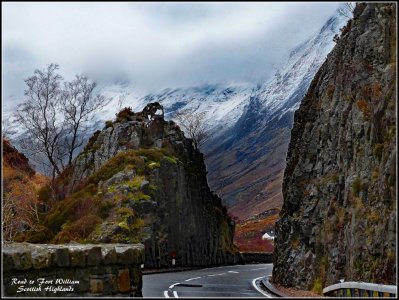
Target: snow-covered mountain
<point>246,167</point>
<point>250,123</point>
<point>223,104</point>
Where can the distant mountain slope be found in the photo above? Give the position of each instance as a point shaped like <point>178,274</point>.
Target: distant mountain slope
<point>246,168</point>
<point>251,125</point>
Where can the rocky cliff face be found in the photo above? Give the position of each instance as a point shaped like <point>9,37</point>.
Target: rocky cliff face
<point>338,218</point>
<point>141,180</point>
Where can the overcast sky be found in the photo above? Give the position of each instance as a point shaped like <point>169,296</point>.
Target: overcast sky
<point>153,45</point>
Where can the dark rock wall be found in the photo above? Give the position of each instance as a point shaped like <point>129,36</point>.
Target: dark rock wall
<point>339,214</point>
<point>189,220</point>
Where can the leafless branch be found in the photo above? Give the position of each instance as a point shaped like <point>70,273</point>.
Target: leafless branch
<point>79,105</point>
<point>193,124</point>
<point>55,115</point>
<point>38,114</point>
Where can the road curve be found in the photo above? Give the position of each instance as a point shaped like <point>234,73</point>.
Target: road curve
<point>226,281</point>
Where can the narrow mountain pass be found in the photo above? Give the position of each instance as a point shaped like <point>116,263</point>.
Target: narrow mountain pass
<point>225,281</point>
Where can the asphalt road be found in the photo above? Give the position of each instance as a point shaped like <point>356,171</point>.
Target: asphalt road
<point>226,281</point>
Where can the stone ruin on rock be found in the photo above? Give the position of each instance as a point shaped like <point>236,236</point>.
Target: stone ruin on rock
<point>153,111</point>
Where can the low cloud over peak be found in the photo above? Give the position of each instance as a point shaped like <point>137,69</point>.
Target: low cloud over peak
<point>154,45</point>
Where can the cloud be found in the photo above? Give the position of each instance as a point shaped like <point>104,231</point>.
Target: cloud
<point>154,45</point>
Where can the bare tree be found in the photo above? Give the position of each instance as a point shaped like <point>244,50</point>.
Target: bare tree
<point>346,9</point>
<point>55,116</point>
<point>38,116</point>
<point>78,104</point>
<point>193,124</point>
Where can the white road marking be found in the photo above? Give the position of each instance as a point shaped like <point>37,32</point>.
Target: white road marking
<point>258,269</point>
<point>192,278</point>
<point>171,287</point>
<point>175,294</point>
<point>216,274</point>
<point>165,293</point>
<point>233,272</point>
<point>258,289</point>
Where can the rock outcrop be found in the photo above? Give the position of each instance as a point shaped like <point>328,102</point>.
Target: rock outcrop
<point>339,214</point>
<point>141,180</point>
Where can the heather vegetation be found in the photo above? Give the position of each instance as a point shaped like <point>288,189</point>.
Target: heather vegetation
<point>88,206</point>
<point>248,234</point>
<point>22,205</point>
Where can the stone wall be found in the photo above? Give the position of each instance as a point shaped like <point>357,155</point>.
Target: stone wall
<point>70,270</point>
